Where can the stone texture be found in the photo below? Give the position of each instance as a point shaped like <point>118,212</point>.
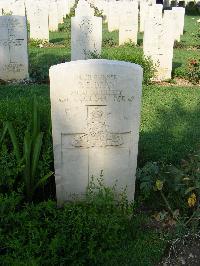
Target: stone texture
<point>13,48</point>
<point>173,16</point>
<point>38,18</point>
<point>128,28</point>
<point>53,16</point>
<point>86,37</point>
<point>158,45</point>
<point>143,14</point>
<point>180,13</point>
<point>83,9</point>
<point>95,107</point>
<point>18,8</point>
<point>114,15</point>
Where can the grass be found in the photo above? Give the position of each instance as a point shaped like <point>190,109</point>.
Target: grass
<point>59,49</point>
<point>78,234</point>
<point>41,234</point>
<point>170,126</point>
<point>191,28</point>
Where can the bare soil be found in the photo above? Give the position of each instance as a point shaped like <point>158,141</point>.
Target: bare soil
<point>183,251</point>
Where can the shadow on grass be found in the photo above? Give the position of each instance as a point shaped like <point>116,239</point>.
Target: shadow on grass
<point>140,39</point>
<point>175,65</point>
<point>57,40</point>
<point>173,132</point>
<point>40,62</point>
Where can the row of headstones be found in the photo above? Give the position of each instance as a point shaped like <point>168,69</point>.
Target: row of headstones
<point>95,107</point>
<point>160,32</point>
<point>86,36</point>
<point>43,15</point>
<point>13,37</point>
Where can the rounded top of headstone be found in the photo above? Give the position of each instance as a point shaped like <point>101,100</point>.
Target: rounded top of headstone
<point>97,62</point>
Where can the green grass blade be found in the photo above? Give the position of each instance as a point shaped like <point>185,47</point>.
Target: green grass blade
<point>9,127</point>
<point>27,160</point>
<point>43,180</point>
<point>37,145</point>
<point>35,119</point>
<point>5,129</point>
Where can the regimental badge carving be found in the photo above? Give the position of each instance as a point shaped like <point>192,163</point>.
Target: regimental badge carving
<point>97,133</point>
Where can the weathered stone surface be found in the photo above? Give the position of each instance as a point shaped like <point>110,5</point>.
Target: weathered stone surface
<point>53,16</point>
<point>180,13</point>
<point>114,15</point>
<point>128,28</point>
<point>143,14</point>
<point>158,45</point>
<point>173,16</point>
<point>83,9</point>
<point>13,48</point>
<point>95,107</point>
<point>38,17</point>
<point>86,37</point>
<point>18,8</point>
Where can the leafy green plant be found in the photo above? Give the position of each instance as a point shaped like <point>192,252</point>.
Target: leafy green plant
<point>109,41</point>
<point>66,26</point>
<point>179,45</point>
<point>192,9</point>
<point>193,70</point>
<point>133,55</point>
<point>96,231</point>
<point>28,160</point>
<point>177,187</point>
<point>37,43</point>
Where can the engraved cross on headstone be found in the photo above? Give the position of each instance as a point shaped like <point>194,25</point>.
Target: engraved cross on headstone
<point>9,39</point>
<point>96,134</point>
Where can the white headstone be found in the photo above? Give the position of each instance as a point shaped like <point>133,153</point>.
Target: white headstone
<point>13,48</point>
<point>18,8</point>
<point>180,13</point>
<point>53,16</point>
<point>114,15</point>
<point>38,18</point>
<point>95,107</point>
<point>86,37</point>
<point>173,16</point>
<point>128,28</point>
<point>83,9</point>
<point>62,10</point>
<point>158,45</point>
<point>155,12</point>
<point>143,14</point>
<point>7,10</point>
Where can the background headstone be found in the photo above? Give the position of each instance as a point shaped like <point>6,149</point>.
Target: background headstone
<point>13,48</point>
<point>158,45</point>
<point>114,15</point>
<point>86,37</point>
<point>38,18</point>
<point>173,16</point>
<point>128,28</point>
<point>53,16</point>
<point>143,14</point>
<point>180,12</point>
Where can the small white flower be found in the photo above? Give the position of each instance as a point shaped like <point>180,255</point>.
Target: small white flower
<point>198,20</point>
<point>41,46</point>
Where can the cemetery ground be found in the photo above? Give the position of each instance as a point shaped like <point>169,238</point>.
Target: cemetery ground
<point>98,231</point>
